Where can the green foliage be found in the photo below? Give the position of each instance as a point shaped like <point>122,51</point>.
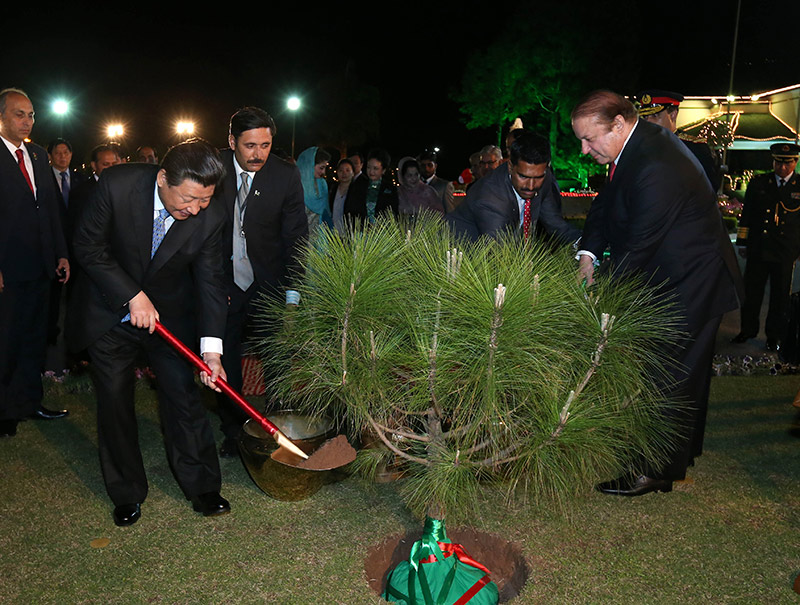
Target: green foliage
<point>475,362</point>
<point>539,65</point>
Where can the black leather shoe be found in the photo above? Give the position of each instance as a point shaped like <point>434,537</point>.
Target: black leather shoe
<point>740,338</point>
<point>211,504</point>
<point>42,413</point>
<point>8,428</point>
<point>127,514</point>
<point>630,485</point>
<point>229,448</point>
<point>772,345</point>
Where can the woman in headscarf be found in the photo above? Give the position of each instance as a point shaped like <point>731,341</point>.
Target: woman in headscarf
<point>414,195</point>
<point>312,164</point>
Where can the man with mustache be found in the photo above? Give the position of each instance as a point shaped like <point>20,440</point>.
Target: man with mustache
<point>267,224</point>
<point>515,196</point>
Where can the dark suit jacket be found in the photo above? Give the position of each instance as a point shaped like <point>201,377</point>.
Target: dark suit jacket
<point>768,238</point>
<point>355,204</point>
<point>76,178</point>
<point>31,235</point>
<point>491,207</point>
<point>112,243</point>
<point>79,198</point>
<point>660,218</point>
<point>275,221</point>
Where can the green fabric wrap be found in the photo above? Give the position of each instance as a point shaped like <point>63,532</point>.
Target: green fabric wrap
<point>439,573</point>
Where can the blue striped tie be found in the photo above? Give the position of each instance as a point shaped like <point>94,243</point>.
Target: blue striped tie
<point>159,231</point>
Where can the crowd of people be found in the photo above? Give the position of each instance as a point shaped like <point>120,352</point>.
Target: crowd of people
<point>190,239</point>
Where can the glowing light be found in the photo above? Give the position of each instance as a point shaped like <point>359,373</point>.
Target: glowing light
<point>184,127</point>
<point>60,107</point>
<point>115,130</point>
<point>293,103</point>
<point>730,98</point>
<point>714,101</point>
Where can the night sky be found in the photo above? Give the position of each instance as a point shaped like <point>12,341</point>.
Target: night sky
<point>149,66</point>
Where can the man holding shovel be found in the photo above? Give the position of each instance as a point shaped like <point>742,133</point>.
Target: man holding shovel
<point>150,244</point>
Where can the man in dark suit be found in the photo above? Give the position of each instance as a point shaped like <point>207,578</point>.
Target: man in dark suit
<point>103,156</point>
<point>266,227</point>
<point>60,153</point>
<point>769,238</point>
<point>660,219</point>
<point>515,196</point>
<point>150,248</point>
<point>32,253</point>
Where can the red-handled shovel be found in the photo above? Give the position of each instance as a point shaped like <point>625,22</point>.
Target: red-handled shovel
<point>282,440</point>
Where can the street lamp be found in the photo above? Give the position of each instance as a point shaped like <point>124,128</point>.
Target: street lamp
<point>184,129</point>
<point>61,109</point>
<point>114,130</point>
<point>293,104</point>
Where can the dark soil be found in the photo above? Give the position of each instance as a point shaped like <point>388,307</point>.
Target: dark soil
<point>333,453</point>
<point>504,559</point>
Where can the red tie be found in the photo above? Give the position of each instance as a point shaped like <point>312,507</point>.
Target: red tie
<point>526,219</point>
<point>21,160</point>
<point>611,171</point>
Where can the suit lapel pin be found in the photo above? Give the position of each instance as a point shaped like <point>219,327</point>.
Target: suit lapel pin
<point>256,192</point>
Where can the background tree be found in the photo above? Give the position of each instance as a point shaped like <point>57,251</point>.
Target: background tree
<point>544,59</point>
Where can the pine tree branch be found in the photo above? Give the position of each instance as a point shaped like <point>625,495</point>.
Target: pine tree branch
<point>376,427</point>
<point>498,457</point>
<point>605,325</point>
<point>345,325</point>
<point>402,433</point>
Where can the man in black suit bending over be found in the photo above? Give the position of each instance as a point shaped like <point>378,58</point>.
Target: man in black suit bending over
<point>150,245</point>
<point>659,217</point>
<point>266,227</point>
<point>32,252</point>
<point>515,196</point>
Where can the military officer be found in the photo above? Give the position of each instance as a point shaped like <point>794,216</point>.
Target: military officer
<point>769,238</point>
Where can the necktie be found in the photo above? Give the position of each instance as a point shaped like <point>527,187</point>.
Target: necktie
<point>242,269</point>
<point>611,170</point>
<point>241,196</point>
<point>781,182</point>
<point>159,231</point>
<point>21,160</point>
<point>65,188</point>
<point>526,220</point>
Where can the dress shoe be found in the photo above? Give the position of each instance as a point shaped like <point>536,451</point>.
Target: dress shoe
<point>229,448</point>
<point>8,428</point>
<point>42,413</point>
<point>631,485</point>
<point>772,345</point>
<point>740,338</point>
<point>211,504</point>
<point>127,514</point>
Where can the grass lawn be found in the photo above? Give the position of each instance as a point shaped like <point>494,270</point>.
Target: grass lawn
<point>727,535</point>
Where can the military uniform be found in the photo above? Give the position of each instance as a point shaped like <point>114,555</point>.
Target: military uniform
<point>770,229</point>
